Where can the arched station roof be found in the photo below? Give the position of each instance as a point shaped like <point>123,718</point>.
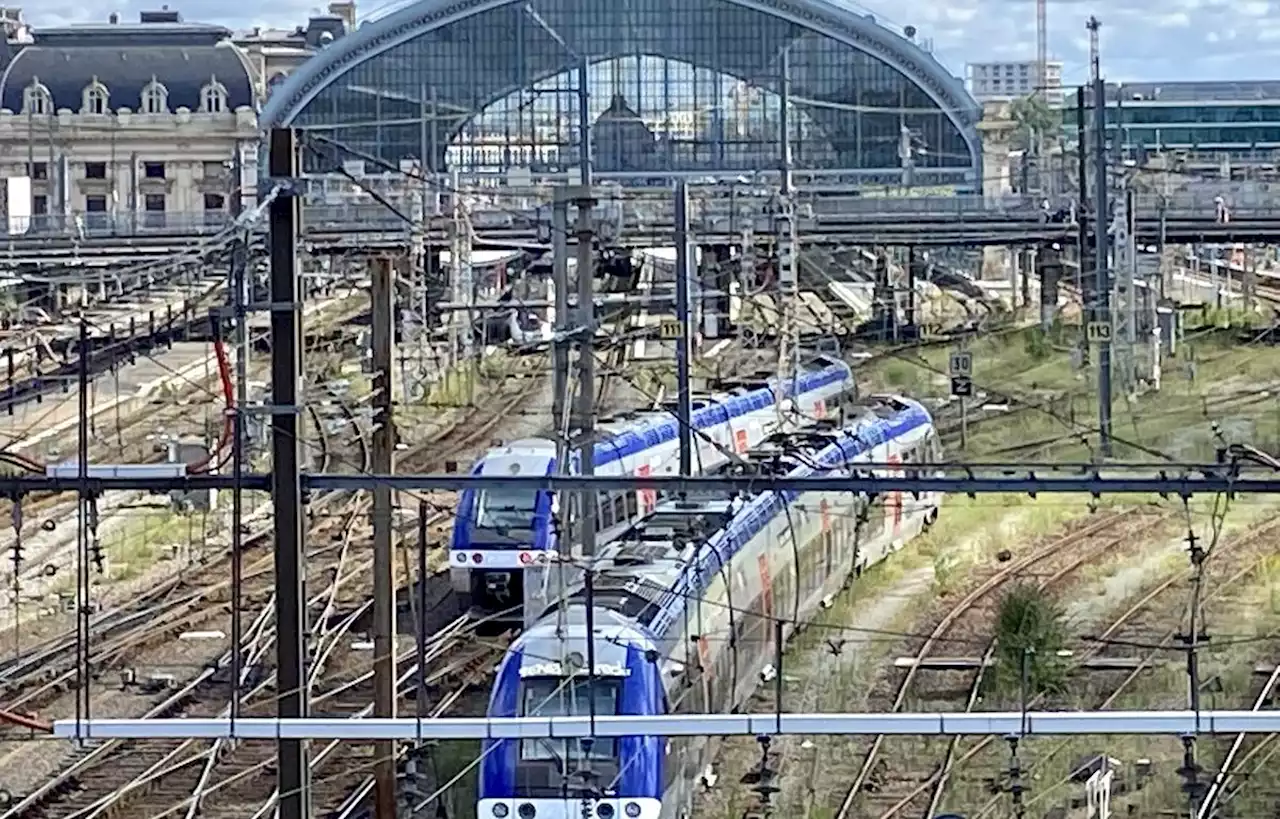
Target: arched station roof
<point>835,24</point>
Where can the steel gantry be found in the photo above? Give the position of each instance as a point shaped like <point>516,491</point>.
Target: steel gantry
<point>1175,480</point>
<point>973,723</point>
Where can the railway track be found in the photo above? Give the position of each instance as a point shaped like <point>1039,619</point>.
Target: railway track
<point>133,441</point>
<point>92,784</point>
<point>874,792</point>
<point>875,789</point>
<point>1233,561</point>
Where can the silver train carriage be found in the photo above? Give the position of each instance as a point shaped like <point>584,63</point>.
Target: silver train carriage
<point>500,533</point>
<point>685,620</point>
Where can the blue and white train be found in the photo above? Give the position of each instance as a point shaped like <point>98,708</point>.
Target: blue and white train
<point>498,533</point>
<point>686,607</point>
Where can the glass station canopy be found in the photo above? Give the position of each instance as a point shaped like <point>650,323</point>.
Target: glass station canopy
<point>683,86</point>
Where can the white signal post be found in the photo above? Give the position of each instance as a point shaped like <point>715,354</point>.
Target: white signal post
<point>961,371</point>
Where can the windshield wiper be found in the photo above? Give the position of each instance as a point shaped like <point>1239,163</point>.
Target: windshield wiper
<point>556,759</point>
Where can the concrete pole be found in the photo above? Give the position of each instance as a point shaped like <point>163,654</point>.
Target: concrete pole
<point>384,590</point>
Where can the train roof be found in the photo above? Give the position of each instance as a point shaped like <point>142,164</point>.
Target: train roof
<point>548,646</point>
<point>517,457</point>
<point>668,556</point>
<point>628,433</point>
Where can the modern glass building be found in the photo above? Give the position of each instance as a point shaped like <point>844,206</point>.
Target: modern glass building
<point>1232,120</point>
<point>674,87</point>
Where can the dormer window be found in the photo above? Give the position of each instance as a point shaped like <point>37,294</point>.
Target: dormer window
<point>36,98</point>
<point>213,97</point>
<point>155,98</point>
<point>97,100</point>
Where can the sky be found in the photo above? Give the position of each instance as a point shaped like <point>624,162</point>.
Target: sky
<point>1150,40</point>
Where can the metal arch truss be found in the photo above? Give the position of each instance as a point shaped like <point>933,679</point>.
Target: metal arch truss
<point>993,723</point>
<point>1176,480</point>
<point>844,25</point>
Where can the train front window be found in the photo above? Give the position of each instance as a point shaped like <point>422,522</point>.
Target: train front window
<point>500,509</point>
<point>557,697</point>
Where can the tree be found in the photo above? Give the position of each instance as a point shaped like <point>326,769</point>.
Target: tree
<point>1036,120</point>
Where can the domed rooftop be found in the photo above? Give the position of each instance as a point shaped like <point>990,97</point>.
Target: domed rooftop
<point>159,53</point>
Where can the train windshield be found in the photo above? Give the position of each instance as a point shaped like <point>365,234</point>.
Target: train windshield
<point>501,509</point>
<point>557,697</point>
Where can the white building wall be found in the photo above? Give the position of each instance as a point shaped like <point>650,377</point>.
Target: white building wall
<point>995,81</point>
<point>197,151</point>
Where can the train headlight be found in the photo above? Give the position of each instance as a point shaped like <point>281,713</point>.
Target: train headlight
<point>632,809</point>
<point>527,811</point>
<point>604,810</point>
<point>500,811</point>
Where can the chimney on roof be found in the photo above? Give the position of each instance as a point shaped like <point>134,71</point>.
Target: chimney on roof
<point>164,15</point>
<point>345,9</point>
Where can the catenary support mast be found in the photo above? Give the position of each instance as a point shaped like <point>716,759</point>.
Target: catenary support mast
<point>286,484</point>
<point>384,591</point>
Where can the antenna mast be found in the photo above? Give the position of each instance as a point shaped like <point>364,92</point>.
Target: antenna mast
<point>1093,25</point>
<point>1042,47</point>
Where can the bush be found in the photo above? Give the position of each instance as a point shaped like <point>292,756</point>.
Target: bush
<point>1030,625</point>
<point>1038,346</point>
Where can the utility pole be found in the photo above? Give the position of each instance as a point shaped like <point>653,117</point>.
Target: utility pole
<point>1083,215</point>
<point>286,479</point>
<point>560,344</point>
<point>585,423</point>
<point>788,292</point>
<point>540,581</point>
<point>1249,281</point>
<point>84,702</point>
<point>384,589</point>
<point>1103,275</point>
<point>584,124</point>
<point>240,298</point>
<point>784,241</point>
<point>464,274</point>
<point>587,417</point>
<point>684,398</point>
<point>1123,308</point>
<point>911,293</point>
<point>1095,65</point>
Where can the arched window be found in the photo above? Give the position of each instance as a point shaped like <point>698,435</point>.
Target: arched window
<point>155,98</point>
<point>213,97</point>
<point>36,98</point>
<point>97,100</point>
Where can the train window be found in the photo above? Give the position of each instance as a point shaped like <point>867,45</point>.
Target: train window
<point>604,508</point>
<point>506,508</point>
<point>555,697</point>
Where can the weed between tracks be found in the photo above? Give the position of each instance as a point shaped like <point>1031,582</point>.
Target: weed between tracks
<point>834,665</point>
<point>969,535</point>
<point>1241,617</point>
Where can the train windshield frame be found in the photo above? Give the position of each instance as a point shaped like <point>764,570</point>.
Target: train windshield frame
<point>559,696</point>
<point>500,510</point>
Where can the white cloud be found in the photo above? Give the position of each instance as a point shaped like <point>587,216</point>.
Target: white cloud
<point>1146,39</point>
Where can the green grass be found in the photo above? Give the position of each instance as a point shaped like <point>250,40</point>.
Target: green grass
<point>144,537</point>
<point>1212,380</point>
